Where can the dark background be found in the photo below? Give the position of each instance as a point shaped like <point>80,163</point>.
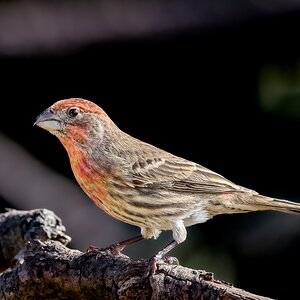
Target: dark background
<point>224,94</point>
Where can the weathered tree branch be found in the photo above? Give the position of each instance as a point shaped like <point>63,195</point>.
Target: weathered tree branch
<point>19,227</point>
<point>36,264</point>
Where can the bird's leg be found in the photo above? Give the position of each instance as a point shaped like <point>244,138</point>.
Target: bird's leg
<point>160,255</point>
<point>117,248</point>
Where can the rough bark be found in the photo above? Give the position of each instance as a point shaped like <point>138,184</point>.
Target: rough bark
<point>36,264</point>
<point>19,227</point>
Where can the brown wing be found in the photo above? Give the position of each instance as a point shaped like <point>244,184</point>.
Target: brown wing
<point>177,174</point>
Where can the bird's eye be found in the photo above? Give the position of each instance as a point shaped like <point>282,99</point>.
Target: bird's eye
<point>73,112</point>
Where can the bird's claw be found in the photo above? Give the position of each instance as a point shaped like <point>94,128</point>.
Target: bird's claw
<point>115,249</point>
<point>171,260</point>
<point>152,266</point>
<point>92,249</point>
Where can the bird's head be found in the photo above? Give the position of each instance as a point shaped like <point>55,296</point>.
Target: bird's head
<point>75,120</point>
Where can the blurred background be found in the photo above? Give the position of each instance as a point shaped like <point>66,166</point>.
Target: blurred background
<point>216,82</point>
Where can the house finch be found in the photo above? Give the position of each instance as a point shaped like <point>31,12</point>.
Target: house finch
<point>140,184</point>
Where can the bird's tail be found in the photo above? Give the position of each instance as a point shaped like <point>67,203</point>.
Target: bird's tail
<point>268,203</point>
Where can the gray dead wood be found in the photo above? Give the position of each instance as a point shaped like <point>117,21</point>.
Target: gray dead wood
<point>36,264</point>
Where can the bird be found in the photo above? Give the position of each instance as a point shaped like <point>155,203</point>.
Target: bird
<point>140,184</point>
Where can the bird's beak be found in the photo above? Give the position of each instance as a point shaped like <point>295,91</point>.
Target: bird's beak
<point>48,121</point>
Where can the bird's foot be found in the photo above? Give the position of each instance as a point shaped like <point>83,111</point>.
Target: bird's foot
<point>171,260</point>
<point>152,266</point>
<point>92,249</point>
<point>115,249</point>
<point>161,256</point>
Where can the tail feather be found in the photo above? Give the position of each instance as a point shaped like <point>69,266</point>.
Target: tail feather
<point>268,203</point>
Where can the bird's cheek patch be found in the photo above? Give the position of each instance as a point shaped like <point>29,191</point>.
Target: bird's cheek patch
<point>77,133</point>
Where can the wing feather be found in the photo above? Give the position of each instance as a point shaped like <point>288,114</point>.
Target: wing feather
<point>180,175</point>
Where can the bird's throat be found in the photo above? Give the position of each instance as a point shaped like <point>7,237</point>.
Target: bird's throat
<point>90,176</point>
